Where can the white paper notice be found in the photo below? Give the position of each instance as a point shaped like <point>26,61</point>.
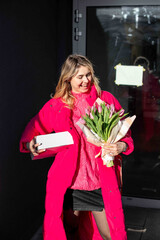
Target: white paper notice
<point>129,75</point>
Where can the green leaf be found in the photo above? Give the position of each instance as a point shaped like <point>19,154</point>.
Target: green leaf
<point>112,125</point>
<point>106,114</point>
<point>95,117</point>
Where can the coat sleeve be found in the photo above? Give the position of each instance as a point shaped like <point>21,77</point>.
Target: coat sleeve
<point>109,98</point>
<point>42,123</point>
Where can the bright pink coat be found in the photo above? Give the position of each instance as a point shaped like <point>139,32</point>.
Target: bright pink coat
<point>55,117</point>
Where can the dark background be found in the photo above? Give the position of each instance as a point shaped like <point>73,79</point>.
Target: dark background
<point>35,39</point>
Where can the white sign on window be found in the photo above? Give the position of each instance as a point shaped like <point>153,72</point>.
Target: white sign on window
<point>129,75</point>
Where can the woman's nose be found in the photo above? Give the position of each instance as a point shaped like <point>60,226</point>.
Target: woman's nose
<point>85,79</point>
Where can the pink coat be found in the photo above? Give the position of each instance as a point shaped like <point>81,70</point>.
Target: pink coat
<point>55,117</point>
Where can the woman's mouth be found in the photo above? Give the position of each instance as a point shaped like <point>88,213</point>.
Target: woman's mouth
<point>84,86</point>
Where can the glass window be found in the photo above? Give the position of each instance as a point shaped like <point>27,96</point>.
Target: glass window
<point>131,36</point>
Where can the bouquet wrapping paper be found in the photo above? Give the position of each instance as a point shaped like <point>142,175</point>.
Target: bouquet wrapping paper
<point>115,132</point>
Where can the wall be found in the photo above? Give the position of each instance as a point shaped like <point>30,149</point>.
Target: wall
<point>35,38</point>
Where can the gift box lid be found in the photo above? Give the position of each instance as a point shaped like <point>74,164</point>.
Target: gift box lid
<point>52,143</point>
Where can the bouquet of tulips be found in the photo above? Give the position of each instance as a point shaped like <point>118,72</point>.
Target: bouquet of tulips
<point>102,123</point>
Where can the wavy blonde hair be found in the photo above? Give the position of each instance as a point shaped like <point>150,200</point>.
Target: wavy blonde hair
<point>68,71</point>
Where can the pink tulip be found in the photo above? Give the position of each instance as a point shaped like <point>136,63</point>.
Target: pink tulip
<point>99,108</point>
<point>121,112</point>
<point>112,107</point>
<point>112,110</point>
<point>91,116</point>
<point>96,105</point>
<point>93,108</point>
<point>87,111</point>
<point>107,105</point>
<point>81,120</point>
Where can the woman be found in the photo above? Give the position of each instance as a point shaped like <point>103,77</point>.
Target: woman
<point>83,200</point>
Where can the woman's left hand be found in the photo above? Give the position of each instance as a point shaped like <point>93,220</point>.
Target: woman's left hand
<point>114,149</point>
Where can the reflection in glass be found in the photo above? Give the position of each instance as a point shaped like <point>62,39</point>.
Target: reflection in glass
<point>131,36</point>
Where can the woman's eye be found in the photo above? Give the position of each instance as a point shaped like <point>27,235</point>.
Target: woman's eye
<point>88,75</point>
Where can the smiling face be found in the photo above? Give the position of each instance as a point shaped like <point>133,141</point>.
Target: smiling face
<point>81,82</point>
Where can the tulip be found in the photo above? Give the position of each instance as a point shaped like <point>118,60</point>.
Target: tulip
<point>112,110</point>
<point>96,105</point>
<point>112,107</point>
<point>87,111</point>
<point>121,112</point>
<point>107,105</point>
<point>99,108</point>
<point>93,108</point>
<point>81,120</point>
<point>91,116</point>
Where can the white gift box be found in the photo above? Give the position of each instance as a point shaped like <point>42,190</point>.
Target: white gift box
<point>53,143</point>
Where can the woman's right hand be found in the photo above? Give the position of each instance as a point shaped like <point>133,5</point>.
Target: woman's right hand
<point>32,147</point>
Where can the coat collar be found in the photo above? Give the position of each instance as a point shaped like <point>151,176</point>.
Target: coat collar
<point>91,98</point>
<point>93,95</point>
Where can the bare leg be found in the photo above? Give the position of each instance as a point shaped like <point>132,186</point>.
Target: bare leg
<point>102,224</point>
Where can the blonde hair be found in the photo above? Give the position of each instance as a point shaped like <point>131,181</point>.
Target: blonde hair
<point>69,69</point>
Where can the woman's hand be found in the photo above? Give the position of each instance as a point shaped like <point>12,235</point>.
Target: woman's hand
<point>114,149</point>
<point>32,147</point>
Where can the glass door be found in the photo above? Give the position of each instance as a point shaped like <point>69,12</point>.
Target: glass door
<point>127,33</point>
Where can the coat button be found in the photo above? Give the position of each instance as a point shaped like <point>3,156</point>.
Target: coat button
<point>51,105</point>
<point>70,127</point>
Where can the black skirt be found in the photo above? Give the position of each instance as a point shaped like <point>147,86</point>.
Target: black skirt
<point>82,200</point>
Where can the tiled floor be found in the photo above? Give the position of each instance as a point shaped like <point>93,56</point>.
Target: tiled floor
<point>141,224</point>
